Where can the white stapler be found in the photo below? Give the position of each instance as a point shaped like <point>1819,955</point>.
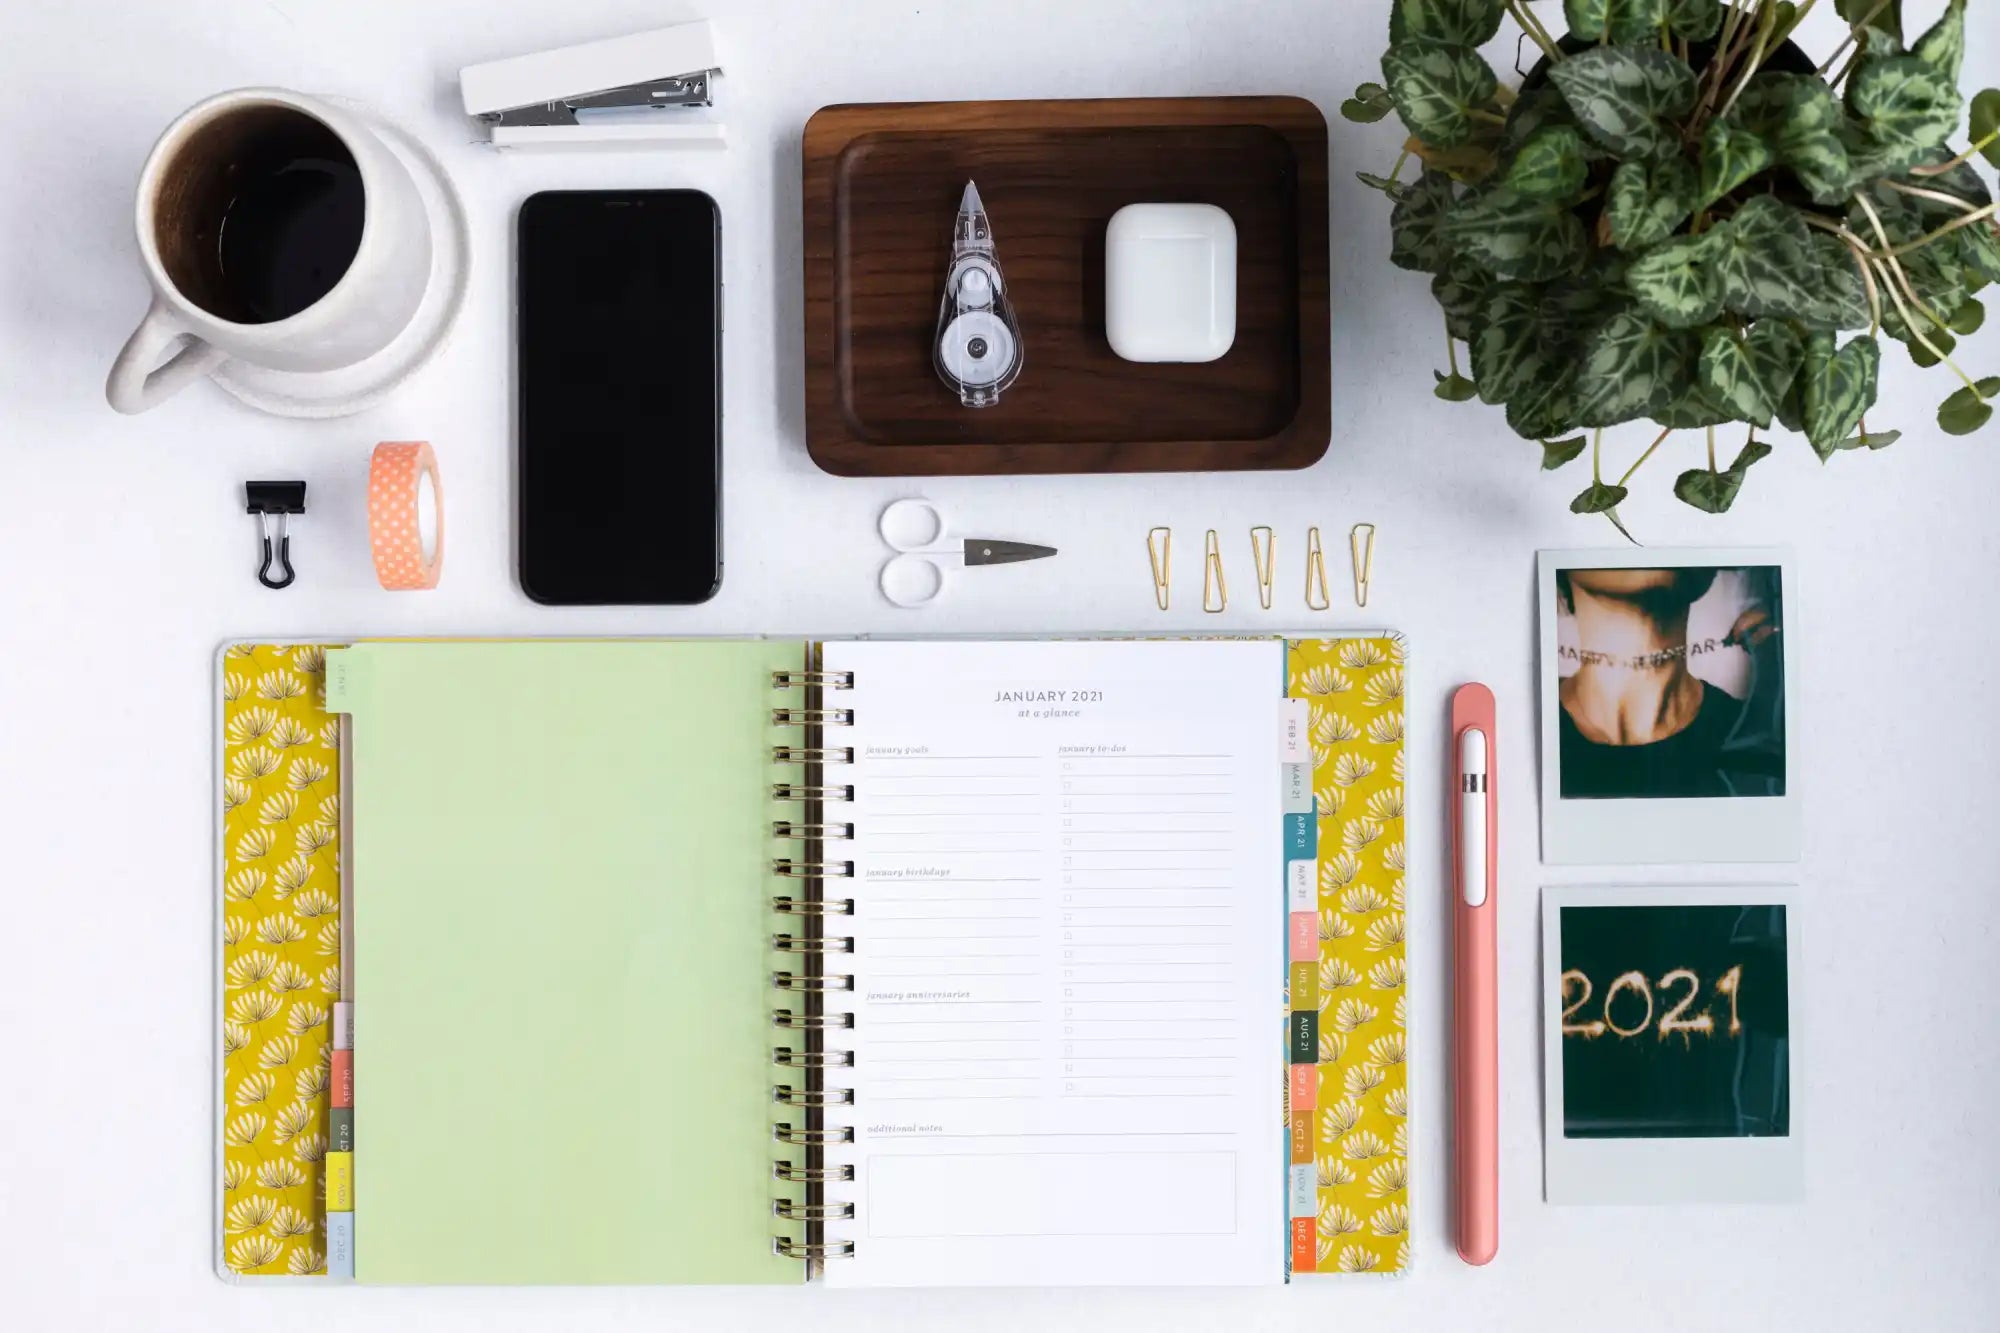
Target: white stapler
<point>631,92</point>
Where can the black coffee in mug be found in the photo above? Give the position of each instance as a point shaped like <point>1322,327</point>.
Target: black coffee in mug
<point>260,214</point>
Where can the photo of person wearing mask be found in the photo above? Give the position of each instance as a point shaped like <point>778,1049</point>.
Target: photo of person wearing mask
<point>1649,712</point>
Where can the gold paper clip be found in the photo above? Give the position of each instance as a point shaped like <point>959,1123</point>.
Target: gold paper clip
<point>1316,594</point>
<point>1214,590</point>
<point>1160,551</point>
<point>1362,540</point>
<point>1263,545</point>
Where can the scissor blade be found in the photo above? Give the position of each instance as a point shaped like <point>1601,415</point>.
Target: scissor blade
<point>985,551</point>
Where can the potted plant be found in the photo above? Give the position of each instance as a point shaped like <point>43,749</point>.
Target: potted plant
<point>1683,218</point>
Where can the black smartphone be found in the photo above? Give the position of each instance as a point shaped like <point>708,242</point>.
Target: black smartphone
<point>619,307</point>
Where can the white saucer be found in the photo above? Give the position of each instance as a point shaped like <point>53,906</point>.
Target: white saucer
<point>355,388</point>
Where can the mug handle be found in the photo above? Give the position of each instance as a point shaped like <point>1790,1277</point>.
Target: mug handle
<point>140,380</point>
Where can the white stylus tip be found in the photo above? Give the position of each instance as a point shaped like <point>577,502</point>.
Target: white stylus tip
<point>1472,751</point>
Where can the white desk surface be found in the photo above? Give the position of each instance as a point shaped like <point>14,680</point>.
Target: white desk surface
<point>125,558</point>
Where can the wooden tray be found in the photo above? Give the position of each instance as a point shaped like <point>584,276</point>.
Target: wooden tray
<point>882,183</point>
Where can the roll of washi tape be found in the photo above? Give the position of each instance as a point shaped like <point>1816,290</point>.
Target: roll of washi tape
<point>406,516</point>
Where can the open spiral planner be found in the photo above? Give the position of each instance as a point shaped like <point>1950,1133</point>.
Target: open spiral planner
<point>1006,963</point>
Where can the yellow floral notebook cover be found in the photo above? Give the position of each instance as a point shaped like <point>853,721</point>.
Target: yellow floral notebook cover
<point>280,955</point>
<point>1355,1134</point>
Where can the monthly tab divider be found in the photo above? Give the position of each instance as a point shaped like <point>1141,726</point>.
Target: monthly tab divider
<point>1301,833</point>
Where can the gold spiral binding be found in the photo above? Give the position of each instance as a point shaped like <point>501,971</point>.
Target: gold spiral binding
<point>811,944</point>
<point>792,791</point>
<point>786,1058</point>
<point>801,944</point>
<point>813,870</point>
<point>812,717</point>
<point>793,754</point>
<point>785,828</point>
<point>812,680</point>
<point>813,906</point>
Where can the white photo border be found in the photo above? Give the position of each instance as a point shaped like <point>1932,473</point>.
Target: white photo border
<point>1768,1169</point>
<point>1665,830</point>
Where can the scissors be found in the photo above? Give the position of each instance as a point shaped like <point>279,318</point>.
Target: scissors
<point>914,529</point>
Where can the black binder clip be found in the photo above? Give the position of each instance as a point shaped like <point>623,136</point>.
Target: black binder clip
<point>264,499</point>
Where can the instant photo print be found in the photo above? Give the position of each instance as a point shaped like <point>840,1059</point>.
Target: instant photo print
<point>1667,682</point>
<point>1671,1064</point>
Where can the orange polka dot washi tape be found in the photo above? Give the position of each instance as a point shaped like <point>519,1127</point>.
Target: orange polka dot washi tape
<point>406,516</point>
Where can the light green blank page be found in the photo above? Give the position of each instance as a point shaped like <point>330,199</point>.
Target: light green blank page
<point>561,881</point>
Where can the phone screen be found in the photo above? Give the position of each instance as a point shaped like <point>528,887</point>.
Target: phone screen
<point>621,397</point>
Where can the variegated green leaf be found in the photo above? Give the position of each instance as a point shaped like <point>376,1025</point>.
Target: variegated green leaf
<point>1694,20</point>
<point>1416,226</point>
<point>1369,104</point>
<point>1714,492</point>
<point>1436,86</point>
<point>1621,20</point>
<point>1454,388</point>
<point>1970,408</point>
<point>1506,352</point>
<point>1836,388</point>
<point>1545,403</point>
<point>1798,115</point>
<point>1599,499</point>
<point>1843,302</point>
<point>1903,108</point>
<point>1557,452</point>
<point>1730,156</point>
<point>1535,109</point>
<point>1549,165</point>
<point>1943,46</point>
<point>1517,238</point>
<point>1967,317</point>
<point>1879,17</point>
<point>1629,98</point>
<point>1985,124</point>
<point>1693,410</point>
<point>1466,22</point>
<point>1633,367</point>
<point>1460,292</point>
<point>1751,374</point>
<point>1766,262</point>
<point>1676,283</point>
<point>1573,306</point>
<point>1648,200</point>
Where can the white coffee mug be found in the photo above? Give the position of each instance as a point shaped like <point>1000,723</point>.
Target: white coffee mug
<point>186,192</point>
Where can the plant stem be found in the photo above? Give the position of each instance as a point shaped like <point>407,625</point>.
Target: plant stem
<point>1756,60</point>
<point>1887,258</point>
<point>1401,158</point>
<point>1726,52</point>
<point>1711,448</point>
<point>1596,457</point>
<point>1940,168</point>
<point>1490,117</point>
<point>1917,332</point>
<point>1643,457</point>
<point>1855,248</point>
<point>1937,196</point>
<point>1529,24</point>
<point>1854,32</point>
<point>1450,350</point>
<point>1968,220</point>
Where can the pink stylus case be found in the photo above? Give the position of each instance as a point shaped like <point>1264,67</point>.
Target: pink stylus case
<point>1475,1005</point>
